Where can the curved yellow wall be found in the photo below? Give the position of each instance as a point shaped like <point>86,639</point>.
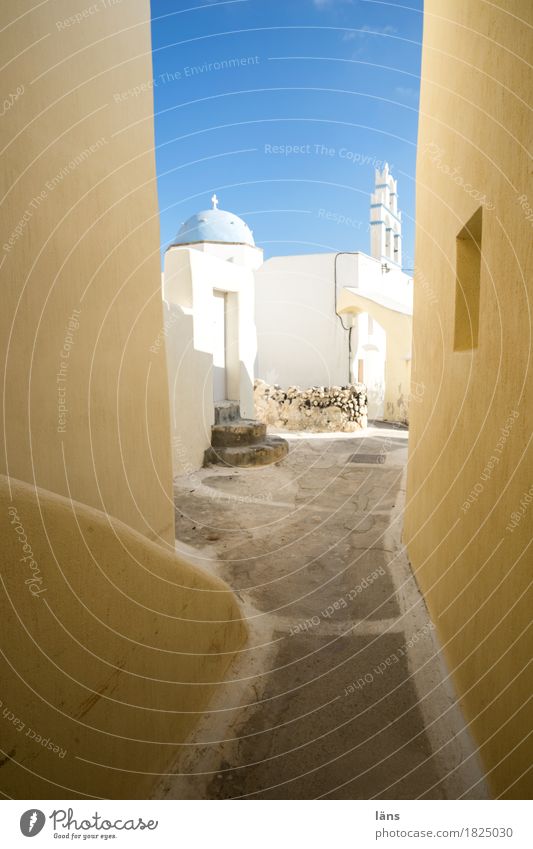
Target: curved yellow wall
<point>114,649</point>
<point>112,645</point>
<point>470,466</point>
<point>85,398</point>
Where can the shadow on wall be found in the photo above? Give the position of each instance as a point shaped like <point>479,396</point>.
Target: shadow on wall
<point>116,647</point>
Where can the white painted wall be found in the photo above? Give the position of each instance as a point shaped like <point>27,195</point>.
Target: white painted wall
<point>300,339</point>
<point>190,280</point>
<point>245,255</point>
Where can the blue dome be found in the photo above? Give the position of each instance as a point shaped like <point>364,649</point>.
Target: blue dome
<point>214,225</point>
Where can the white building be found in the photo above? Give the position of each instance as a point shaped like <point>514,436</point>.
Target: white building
<point>334,318</point>
<point>317,319</point>
<point>211,342</point>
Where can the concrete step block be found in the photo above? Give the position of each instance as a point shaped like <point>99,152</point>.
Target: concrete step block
<point>270,450</point>
<point>227,411</point>
<point>243,432</point>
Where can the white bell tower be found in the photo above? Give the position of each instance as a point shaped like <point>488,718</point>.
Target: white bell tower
<point>385,220</point>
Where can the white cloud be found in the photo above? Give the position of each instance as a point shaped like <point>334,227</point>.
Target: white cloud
<point>407,92</point>
<point>366,30</point>
<point>327,4</point>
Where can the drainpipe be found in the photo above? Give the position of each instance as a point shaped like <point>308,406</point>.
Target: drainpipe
<point>350,360</point>
<point>350,326</point>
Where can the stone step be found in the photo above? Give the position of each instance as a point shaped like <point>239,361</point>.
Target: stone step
<point>226,412</point>
<point>270,450</point>
<point>242,432</point>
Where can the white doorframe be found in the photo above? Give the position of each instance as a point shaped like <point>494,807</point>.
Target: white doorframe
<point>219,346</point>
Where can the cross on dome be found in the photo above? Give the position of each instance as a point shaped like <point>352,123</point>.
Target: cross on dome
<point>214,201</point>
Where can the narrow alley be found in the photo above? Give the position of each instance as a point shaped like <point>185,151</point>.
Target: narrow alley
<point>341,690</point>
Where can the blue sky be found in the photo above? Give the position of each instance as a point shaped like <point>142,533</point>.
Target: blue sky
<point>283,108</point>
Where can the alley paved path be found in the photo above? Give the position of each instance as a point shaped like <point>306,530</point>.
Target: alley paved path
<point>341,691</point>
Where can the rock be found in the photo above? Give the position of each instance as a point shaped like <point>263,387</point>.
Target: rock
<point>318,408</point>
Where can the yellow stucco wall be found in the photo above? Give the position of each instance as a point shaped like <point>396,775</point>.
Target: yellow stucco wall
<point>79,254</point>
<point>468,520</point>
<point>398,327</point>
<point>111,644</point>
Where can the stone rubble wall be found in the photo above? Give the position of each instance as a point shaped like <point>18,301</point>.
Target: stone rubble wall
<point>318,409</point>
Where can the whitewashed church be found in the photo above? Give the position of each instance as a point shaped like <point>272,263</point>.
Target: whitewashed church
<point>315,319</point>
